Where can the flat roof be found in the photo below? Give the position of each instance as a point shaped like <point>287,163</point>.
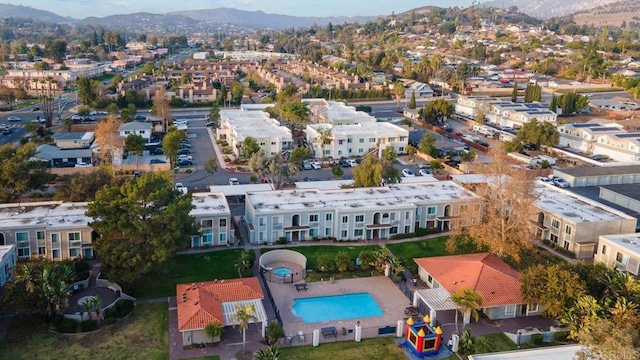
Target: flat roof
<point>565,352</point>
<point>574,207</point>
<point>324,185</point>
<point>49,214</point>
<point>209,203</point>
<point>380,129</point>
<point>628,190</point>
<point>628,241</point>
<point>395,195</point>
<point>584,171</point>
<point>237,190</point>
<point>256,124</point>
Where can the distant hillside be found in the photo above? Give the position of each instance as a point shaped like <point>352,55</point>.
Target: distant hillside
<point>544,9</point>
<point>140,20</point>
<point>611,14</point>
<point>8,10</point>
<point>261,19</point>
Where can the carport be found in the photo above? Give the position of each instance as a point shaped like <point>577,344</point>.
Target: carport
<point>436,300</point>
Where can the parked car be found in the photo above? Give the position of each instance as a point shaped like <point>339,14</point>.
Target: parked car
<point>64,164</point>
<point>93,112</point>
<point>545,180</point>
<point>424,172</point>
<point>344,163</point>
<point>185,157</point>
<point>139,117</point>
<point>180,187</point>
<point>316,165</point>
<point>157,151</point>
<point>352,163</point>
<point>184,151</point>
<point>157,161</point>
<point>408,173</point>
<point>35,108</point>
<point>482,143</point>
<point>210,124</point>
<point>234,181</point>
<point>183,163</point>
<point>13,118</point>
<point>424,166</point>
<point>6,131</point>
<point>306,165</point>
<point>185,145</point>
<point>529,147</point>
<point>559,182</point>
<point>83,164</point>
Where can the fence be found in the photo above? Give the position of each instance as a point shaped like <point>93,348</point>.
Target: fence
<point>265,286</point>
<point>294,277</point>
<point>347,333</point>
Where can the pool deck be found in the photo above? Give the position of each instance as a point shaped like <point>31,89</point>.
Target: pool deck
<point>390,299</point>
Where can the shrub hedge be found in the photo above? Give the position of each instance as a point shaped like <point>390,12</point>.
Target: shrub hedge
<point>88,325</point>
<point>124,307</point>
<point>67,326</point>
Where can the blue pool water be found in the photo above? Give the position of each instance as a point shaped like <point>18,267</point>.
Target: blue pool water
<point>336,307</point>
<point>282,271</point>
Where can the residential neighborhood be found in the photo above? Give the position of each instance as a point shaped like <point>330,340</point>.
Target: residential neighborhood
<point>431,182</point>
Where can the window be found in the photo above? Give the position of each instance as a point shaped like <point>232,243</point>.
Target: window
<point>361,140</point>
<point>261,221</point>
<point>385,215</point>
<point>23,252</point>
<point>340,142</point>
<point>262,143</point>
<point>431,211</point>
<point>401,149</point>
<point>553,238</point>
<point>56,254</point>
<point>568,229</point>
<point>555,224</point>
<point>273,143</point>
<point>407,229</point>
<point>343,234</point>
<point>510,310</point>
<point>22,236</point>
<point>357,232</point>
<point>327,152</point>
<point>604,249</point>
<point>393,230</point>
<point>223,237</point>
<point>74,236</point>
<point>431,224</point>
<point>372,140</point>
<point>349,141</point>
<point>42,250</point>
<point>206,224</point>
<point>619,257</point>
<point>345,219</point>
<point>359,218</point>
<point>207,238</point>
<point>393,216</point>
<point>565,245</point>
<point>329,217</point>
<point>313,218</point>
<point>40,235</point>
<point>533,308</point>
<point>74,253</point>
<point>223,222</point>
<point>361,150</point>
<point>430,279</point>
<point>313,232</point>
<point>407,215</point>
<point>55,238</point>
<point>327,232</point>
<point>403,138</point>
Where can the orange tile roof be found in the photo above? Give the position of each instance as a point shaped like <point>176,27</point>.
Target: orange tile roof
<point>201,303</point>
<point>495,280</point>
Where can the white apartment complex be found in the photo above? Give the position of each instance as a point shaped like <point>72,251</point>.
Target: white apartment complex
<point>211,212</point>
<point>574,222</point>
<point>358,213</point>
<point>504,113</point>
<point>621,251</point>
<point>347,132</point>
<point>237,125</point>
<point>583,136</point>
<point>622,147</point>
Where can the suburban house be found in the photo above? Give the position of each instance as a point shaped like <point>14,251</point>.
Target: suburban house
<point>497,282</point>
<point>55,156</point>
<point>7,263</point>
<point>202,303</point>
<point>421,90</point>
<point>54,230</point>
<point>574,222</point>
<point>211,211</point>
<point>73,140</point>
<point>142,129</point>
<point>238,125</point>
<point>621,251</point>
<point>583,136</point>
<point>358,213</point>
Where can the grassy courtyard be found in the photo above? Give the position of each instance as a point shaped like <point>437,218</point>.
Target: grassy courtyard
<point>381,348</point>
<point>143,335</point>
<point>205,266</point>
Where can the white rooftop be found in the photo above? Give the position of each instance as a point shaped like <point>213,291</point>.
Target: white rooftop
<point>379,129</point>
<point>50,214</point>
<point>335,111</point>
<point>323,185</point>
<point>565,352</point>
<point>256,124</point>
<point>574,207</point>
<point>396,195</point>
<point>209,203</point>
<point>5,250</point>
<point>236,190</point>
<point>628,241</point>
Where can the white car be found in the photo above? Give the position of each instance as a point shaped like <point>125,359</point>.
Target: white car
<point>560,183</point>
<point>185,157</point>
<point>13,118</point>
<point>76,117</point>
<point>180,187</point>
<point>93,112</point>
<point>408,173</point>
<point>316,165</point>
<point>546,180</point>
<point>424,172</point>
<point>83,164</point>
<point>3,126</point>
<point>353,163</point>
<point>234,181</point>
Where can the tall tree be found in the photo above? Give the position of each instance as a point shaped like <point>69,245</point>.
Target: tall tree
<point>250,146</point>
<point>466,301</point>
<point>86,90</point>
<point>242,317</point>
<point>214,113</point>
<point>514,92</point>
<point>437,111</point>
<point>398,92</point>
<point>373,172</point>
<point>279,171</point>
<point>18,174</point>
<point>161,108</point>
<point>538,133</point>
<point>214,330</point>
<point>553,286</point>
<point>171,144</point>
<point>428,146</point>
<point>46,90</point>
<point>134,145</point>
<point>140,225</point>
<point>508,196</point>
<point>412,102</point>
<point>108,139</point>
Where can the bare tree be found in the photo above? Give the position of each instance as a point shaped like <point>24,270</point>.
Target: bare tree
<point>162,109</point>
<point>274,167</point>
<point>46,90</point>
<point>108,138</point>
<point>508,206</point>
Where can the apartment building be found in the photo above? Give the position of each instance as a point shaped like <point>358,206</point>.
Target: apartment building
<point>54,230</point>
<point>504,113</point>
<point>7,263</point>
<point>237,125</point>
<point>575,222</point>
<point>622,147</point>
<point>583,136</point>
<point>336,113</point>
<point>358,213</point>
<point>621,251</point>
<point>211,211</point>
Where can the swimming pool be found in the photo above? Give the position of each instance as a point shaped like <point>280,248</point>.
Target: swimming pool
<point>336,307</point>
<point>282,271</point>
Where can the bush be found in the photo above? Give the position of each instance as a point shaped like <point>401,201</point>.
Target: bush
<point>111,312</point>
<point>80,266</point>
<point>282,240</point>
<point>88,325</point>
<point>188,171</point>
<point>67,326</point>
<point>83,275</point>
<point>325,264</point>
<point>56,320</point>
<point>124,307</point>
<point>110,321</point>
<point>561,336</point>
<point>537,339</point>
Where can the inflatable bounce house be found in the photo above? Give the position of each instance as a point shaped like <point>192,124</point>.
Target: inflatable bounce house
<point>421,338</point>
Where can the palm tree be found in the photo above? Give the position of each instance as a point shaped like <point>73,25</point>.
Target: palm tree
<point>241,318</point>
<point>244,262</point>
<point>214,330</point>
<point>270,353</point>
<point>274,332</point>
<point>396,265</point>
<point>96,303</point>
<point>88,306</point>
<point>466,300</point>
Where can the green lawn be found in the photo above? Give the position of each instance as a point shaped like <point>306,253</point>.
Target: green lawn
<point>143,335</point>
<point>379,349</point>
<point>406,251</point>
<point>204,266</point>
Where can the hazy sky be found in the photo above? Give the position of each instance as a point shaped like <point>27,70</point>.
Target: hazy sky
<point>84,8</point>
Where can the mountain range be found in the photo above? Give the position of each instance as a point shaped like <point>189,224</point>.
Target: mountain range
<point>544,9</point>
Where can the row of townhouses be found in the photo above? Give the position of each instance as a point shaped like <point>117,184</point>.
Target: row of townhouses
<point>504,113</point>
<point>594,138</point>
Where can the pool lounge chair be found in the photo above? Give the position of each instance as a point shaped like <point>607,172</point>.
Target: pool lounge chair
<point>301,336</point>
<point>288,340</point>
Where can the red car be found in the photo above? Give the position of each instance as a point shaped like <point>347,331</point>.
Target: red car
<point>459,134</point>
